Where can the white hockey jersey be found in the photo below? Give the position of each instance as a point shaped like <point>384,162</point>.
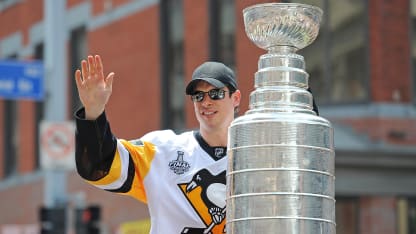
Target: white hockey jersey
<point>183,185</point>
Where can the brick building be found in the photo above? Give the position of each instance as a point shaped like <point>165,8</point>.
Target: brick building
<point>362,74</point>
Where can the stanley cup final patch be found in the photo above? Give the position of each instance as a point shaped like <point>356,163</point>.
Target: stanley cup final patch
<point>179,166</point>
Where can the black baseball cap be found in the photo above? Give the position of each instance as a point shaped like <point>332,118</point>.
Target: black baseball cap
<point>215,73</point>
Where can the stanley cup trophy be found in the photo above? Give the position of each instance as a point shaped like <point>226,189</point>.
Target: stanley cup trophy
<point>281,156</point>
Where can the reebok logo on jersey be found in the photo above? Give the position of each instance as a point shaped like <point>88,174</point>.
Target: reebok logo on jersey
<point>219,152</point>
<point>179,166</point>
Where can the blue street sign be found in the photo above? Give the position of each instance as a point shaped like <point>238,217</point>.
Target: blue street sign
<point>21,79</point>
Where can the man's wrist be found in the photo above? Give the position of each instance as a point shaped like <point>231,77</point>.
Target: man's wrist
<point>92,115</point>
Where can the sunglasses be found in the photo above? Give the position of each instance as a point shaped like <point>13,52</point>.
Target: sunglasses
<point>214,94</point>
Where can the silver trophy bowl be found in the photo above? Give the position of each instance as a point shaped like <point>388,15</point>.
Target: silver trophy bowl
<point>282,24</point>
<point>280,176</point>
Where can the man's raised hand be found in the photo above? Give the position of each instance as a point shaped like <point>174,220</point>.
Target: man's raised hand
<point>93,88</point>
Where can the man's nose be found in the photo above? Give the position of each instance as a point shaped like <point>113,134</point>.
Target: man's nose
<point>207,101</point>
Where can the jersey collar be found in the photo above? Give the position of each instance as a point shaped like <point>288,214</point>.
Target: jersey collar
<point>215,152</point>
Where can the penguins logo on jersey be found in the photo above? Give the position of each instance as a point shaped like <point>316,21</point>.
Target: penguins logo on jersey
<point>206,193</point>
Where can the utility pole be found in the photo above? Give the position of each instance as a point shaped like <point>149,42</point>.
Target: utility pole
<point>55,194</point>
<point>53,214</point>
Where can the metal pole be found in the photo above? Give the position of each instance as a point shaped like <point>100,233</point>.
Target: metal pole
<point>56,90</point>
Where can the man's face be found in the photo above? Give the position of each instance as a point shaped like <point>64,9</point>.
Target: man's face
<point>215,115</point>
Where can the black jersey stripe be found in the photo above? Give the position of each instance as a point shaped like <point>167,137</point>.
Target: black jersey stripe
<point>126,187</point>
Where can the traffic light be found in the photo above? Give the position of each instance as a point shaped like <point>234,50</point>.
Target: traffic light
<point>88,220</point>
<point>52,220</point>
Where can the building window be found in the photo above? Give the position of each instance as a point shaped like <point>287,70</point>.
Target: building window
<point>222,31</point>
<point>172,64</point>
<point>39,108</point>
<point>78,51</point>
<point>10,135</point>
<point>176,68</point>
<point>227,32</point>
<point>337,61</point>
<point>413,46</point>
<point>347,215</point>
<point>406,215</point>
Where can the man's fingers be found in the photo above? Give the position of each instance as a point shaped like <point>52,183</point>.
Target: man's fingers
<point>78,80</point>
<point>109,80</point>
<point>91,65</point>
<point>91,74</point>
<point>84,70</point>
<point>99,66</point>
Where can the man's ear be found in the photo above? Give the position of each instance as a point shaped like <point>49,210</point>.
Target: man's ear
<point>236,98</point>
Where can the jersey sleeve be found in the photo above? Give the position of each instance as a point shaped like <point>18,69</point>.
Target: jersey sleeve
<point>131,163</point>
<point>95,146</point>
<point>109,163</point>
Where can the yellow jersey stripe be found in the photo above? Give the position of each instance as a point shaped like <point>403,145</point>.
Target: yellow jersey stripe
<point>142,156</point>
<point>118,171</point>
